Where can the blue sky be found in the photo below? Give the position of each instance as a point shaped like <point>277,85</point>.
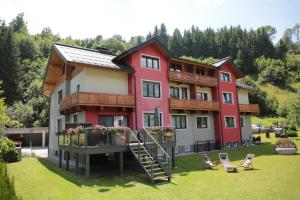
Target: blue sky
<point>88,18</point>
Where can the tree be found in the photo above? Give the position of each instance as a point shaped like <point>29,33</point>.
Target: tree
<point>4,118</point>
<point>18,24</point>
<point>163,35</point>
<point>176,43</point>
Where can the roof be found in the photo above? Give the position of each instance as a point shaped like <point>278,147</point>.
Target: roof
<point>223,61</point>
<point>153,40</point>
<point>244,86</point>
<point>8,131</point>
<point>88,56</point>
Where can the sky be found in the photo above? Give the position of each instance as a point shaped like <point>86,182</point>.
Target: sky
<point>89,18</point>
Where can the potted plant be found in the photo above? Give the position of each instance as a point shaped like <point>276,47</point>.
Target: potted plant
<point>116,135</point>
<point>168,133</point>
<point>155,130</point>
<point>285,146</point>
<point>99,135</point>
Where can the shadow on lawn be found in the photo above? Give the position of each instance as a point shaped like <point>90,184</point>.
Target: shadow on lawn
<point>128,180</point>
<point>195,163</point>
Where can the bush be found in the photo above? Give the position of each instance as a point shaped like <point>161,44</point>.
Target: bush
<point>7,190</point>
<point>8,151</point>
<point>291,133</point>
<point>285,143</point>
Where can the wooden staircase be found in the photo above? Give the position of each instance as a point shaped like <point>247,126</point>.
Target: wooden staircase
<point>157,167</point>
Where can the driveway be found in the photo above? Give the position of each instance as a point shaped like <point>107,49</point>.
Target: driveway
<point>38,151</point>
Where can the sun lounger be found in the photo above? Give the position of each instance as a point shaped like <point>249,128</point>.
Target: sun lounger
<point>224,159</point>
<point>208,163</point>
<point>247,164</point>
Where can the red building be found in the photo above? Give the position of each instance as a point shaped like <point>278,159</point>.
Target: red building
<point>202,101</point>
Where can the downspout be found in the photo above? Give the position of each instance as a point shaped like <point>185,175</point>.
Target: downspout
<point>135,98</point>
<point>218,95</point>
<point>239,117</point>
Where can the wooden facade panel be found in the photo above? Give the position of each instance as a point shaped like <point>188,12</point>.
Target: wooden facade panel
<point>181,104</point>
<point>96,99</point>
<point>249,108</point>
<point>187,77</point>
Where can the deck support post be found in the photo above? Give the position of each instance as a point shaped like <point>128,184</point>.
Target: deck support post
<point>76,163</point>
<point>121,163</point>
<point>60,158</point>
<point>173,158</point>
<point>67,160</point>
<point>87,165</point>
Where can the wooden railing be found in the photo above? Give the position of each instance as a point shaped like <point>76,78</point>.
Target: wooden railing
<point>96,99</point>
<point>186,77</point>
<point>249,108</point>
<point>193,104</point>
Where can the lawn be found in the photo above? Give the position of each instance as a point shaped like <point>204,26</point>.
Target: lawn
<point>274,177</point>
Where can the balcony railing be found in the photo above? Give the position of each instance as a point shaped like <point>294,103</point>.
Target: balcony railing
<point>96,99</point>
<point>249,108</point>
<point>186,77</point>
<point>193,104</point>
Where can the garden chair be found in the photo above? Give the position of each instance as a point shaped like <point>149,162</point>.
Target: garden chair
<point>247,164</point>
<point>208,163</point>
<point>224,159</point>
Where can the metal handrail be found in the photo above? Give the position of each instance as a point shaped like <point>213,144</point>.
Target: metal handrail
<point>148,134</point>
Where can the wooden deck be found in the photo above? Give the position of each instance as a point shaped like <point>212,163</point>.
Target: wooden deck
<point>186,77</point>
<point>192,104</point>
<point>97,99</point>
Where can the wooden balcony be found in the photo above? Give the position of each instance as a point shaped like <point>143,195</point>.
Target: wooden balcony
<point>186,77</point>
<point>97,99</point>
<point>249,108</point>
<point>192,104</point>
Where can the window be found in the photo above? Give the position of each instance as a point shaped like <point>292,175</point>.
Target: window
<point>230,122</point>
<point>150,62</point>
<point>149,119</point>
<point>202,122</point>
<point>200,71</point>
<point>174,92</point>
<point>241,121</point>
<point>59,124</point>
<point>151,89</point>
<point>225,77</point>
<point>175,66</point>
<point>179,121</point>
<point>59,96</point>
<point>75,118</point>
<point>202,96</point>
<point>187,148</point>
<point>78,87</point>
<point>176,149</point>
<point>227,98</point>
<point>184,93</point>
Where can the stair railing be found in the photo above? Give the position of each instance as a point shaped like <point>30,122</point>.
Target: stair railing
<point>157,151</point>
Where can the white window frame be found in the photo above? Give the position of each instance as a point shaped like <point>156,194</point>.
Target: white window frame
<point>208,122</point>
<point>77,114</point>
<point>232,98</point>
<point>159,63</point>
<point>234,121</point>
<point>203,93</point>
<point>186,121</point>
<point>62,127</point>
<point>187,148</point>
<point>160,89</point>
<point>230,77</point>
<point>151,112</point>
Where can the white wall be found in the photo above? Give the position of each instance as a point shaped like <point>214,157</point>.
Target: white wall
<point>206,90</point>
<point>243,96</point>
<point>101,81</point>
<point>54,115</point>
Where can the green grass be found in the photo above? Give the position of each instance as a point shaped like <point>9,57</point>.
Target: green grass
<point>274,177</point>
<point>265,121</point>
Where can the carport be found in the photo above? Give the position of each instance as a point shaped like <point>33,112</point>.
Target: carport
<point>36,136</point>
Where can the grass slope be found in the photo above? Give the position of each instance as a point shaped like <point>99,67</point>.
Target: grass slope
<point>274,177</point>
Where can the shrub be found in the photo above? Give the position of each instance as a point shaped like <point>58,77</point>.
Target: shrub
<point>7,190</point>
<point>292,133</point>
<point>8,151</point>
<point>285,143</point>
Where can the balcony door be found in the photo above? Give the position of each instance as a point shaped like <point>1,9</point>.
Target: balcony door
<point>111,120</point>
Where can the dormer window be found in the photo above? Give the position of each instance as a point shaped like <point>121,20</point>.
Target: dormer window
<point>150,62</point>
<point>225,77</point>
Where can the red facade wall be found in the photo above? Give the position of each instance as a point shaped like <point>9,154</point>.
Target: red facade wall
<point>229,134</point>
<point>148,104</point>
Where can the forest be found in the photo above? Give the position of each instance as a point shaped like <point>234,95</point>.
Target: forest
<point>23,57</point>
